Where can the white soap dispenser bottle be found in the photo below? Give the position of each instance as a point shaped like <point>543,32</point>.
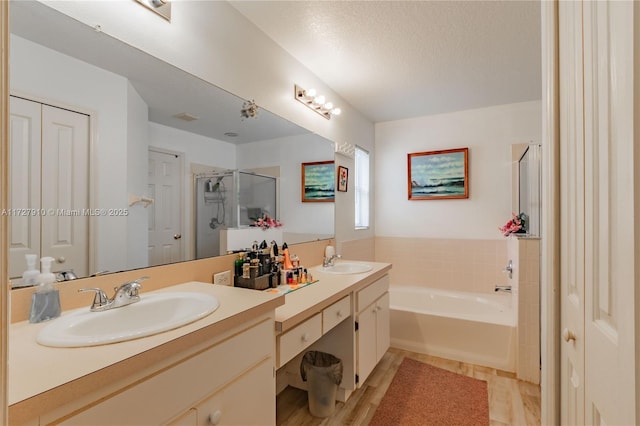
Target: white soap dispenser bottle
<point>45,302</point>
<point>30,276</point>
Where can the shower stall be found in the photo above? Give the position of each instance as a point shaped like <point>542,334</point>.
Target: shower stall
<point>230,199</point>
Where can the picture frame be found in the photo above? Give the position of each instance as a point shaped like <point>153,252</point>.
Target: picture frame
<point>318,182</point>
<point>438,175</point>
<point>343,178</point>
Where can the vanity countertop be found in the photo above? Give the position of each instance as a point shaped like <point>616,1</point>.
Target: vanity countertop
<point>302,303</point>
<point>35,369</point>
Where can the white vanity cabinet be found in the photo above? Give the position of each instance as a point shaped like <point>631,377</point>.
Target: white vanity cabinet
<point>230,381</point>
<point>373,333</point>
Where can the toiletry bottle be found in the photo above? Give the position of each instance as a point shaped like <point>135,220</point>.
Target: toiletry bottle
<point>30,276</point>
<point>287,258</point>
<point>45,302</point>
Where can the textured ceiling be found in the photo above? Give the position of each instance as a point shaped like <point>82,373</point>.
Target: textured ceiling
<point>399,59</point>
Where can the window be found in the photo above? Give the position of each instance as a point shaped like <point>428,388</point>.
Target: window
<point>362,188</point>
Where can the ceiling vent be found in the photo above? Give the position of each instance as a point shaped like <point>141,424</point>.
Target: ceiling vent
<point>186,116</point>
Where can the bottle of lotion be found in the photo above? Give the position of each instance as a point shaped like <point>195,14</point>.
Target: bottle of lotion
<point>30,276</point>
<point>45,302</point>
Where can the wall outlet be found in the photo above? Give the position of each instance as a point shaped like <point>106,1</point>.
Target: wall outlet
<point>222,278</point>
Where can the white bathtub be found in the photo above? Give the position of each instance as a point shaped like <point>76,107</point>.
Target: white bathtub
<point>475,328</point>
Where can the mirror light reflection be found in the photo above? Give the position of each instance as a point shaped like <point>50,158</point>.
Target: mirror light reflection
<point>98,126</point>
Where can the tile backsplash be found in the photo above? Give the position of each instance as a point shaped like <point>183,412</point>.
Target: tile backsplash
<point>452,264</point>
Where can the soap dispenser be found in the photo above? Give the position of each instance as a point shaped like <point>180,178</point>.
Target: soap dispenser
<point>45,302</point>
<point>30,276</point>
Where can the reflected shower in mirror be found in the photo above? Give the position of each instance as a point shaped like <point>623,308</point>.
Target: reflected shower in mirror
<point>151,128</point>
<point>530,187</point>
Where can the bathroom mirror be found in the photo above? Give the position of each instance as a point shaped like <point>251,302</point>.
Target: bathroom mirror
<point>145,121</point>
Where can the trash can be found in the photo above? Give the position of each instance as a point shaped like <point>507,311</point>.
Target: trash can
<point>323,371</point>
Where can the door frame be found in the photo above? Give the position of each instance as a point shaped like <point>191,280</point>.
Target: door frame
<point>550,249</point>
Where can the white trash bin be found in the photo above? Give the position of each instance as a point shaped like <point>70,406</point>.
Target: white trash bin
<point>323,372</point>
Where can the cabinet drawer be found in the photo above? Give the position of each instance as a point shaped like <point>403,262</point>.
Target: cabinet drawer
<point>336,313</point>
<point>367,295</point>
<point>249,400</point>
<point>174,390</point>
<point>299,338</point>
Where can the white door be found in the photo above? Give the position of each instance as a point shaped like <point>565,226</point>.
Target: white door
<point>609,332</point>
<point>65,189</point>
<point>49,186</point>
<point>165,214</point>
<point>597,213</point>
<point>24,186</point>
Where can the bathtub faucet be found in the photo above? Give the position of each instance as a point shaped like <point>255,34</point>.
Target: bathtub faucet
<point>506,288</point>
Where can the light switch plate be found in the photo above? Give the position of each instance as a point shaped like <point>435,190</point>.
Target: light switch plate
<point>222,278</point>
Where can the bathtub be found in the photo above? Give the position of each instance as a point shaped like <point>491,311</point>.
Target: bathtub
<point>476,328</point>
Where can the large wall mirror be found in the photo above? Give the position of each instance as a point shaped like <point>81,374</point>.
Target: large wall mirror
<point>121,161</point>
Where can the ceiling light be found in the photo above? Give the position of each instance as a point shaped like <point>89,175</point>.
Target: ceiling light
<point>316,102</point>
<point>249,109</point>
<point>161,7</point>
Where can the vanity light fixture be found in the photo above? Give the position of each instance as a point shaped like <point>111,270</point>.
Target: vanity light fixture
<point>316,102</point>
<point>161,7</point>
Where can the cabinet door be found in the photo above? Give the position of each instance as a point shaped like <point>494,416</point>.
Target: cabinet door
<point>248,400</point>
<point>366,346</point>
<point>383,337</point>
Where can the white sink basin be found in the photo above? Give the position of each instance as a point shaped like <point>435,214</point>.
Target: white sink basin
<point>154,313</point>
<point>346,268</point>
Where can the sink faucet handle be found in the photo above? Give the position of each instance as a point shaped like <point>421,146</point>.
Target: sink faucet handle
<point>100,299</point>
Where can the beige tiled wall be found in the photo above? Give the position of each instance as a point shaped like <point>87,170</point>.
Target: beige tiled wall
<point>461,265</point>
<point>159,277</point>
<point>525,253</point>
<point>363,249</point>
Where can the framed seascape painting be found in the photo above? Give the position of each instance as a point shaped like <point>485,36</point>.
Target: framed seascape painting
<point>318,182</point>
<point>438,175</point>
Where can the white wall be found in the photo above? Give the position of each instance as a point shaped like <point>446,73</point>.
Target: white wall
<point>489,134</point>
<point>297,217</point>
<point>137,175</point>
<point>213,41</point>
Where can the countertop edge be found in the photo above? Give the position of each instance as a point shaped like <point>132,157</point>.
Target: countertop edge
<point>287,322</point>
<point>37,405</point>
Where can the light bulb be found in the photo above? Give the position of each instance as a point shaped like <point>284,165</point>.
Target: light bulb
<point>328,106</point>
<point>319,100</point>
<point>336,111</point>
<point>311,93</point>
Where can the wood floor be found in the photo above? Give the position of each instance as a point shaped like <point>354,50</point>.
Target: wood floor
<point>511,402</point>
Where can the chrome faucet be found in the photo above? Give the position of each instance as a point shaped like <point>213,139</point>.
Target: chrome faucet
<point>330,261</point>
<point>509,268</point>
<point>125,294</point>
<point>506,288</point>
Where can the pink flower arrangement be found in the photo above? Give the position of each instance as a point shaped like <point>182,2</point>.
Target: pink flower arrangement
<point>265,222</point>
<point>516,225</point>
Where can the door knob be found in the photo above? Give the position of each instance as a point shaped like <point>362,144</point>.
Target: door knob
<point>568,335</point>
<point>61,259</point>
<point>177,236</point>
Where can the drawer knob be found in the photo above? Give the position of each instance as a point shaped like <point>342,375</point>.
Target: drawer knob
<point>215,417</point>
<point>378,308</point>
<point>305,337</point>
<point>339,314</point>
<point>568,335</point>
